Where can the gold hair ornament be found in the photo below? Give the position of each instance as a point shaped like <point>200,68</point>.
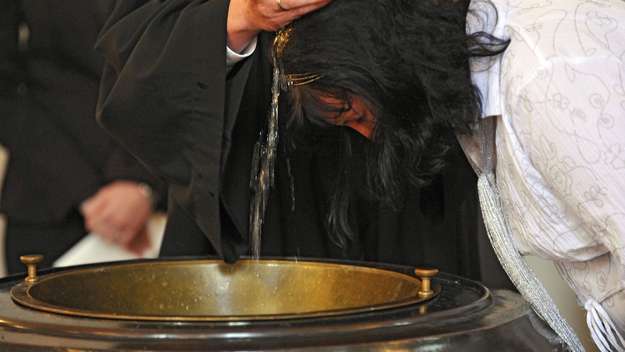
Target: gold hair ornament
<point>300,79</point>
<point>293,79</point>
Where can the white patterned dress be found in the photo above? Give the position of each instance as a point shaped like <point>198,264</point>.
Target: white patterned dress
<point>559,90</point>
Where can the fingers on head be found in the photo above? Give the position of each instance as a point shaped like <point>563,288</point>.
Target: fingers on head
<point>290,10</point>
<point>293,4</point>
<point>298,12</point>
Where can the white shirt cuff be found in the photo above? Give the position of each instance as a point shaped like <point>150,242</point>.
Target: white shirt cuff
<point>233,57</point>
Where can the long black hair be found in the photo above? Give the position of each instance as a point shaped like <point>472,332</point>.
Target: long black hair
<point>409,60</point>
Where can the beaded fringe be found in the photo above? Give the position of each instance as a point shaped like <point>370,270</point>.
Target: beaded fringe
<point>515,266</point>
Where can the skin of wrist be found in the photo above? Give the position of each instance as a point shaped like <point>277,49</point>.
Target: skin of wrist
<point>147,192</point>
<point>239,31</point>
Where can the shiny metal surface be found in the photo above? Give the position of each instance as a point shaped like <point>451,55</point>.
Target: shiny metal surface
<point>210,290</point>
<point>465,316</point>
<point>31,262</point>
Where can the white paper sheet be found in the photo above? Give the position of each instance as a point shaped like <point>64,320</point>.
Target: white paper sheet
<point>94,249</point>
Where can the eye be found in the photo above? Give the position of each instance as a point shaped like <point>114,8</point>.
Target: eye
<point>360,119</point>
<point>354,119</point>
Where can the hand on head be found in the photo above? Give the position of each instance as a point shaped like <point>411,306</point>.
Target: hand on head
<point>119,212</point>
<point>246,18</point>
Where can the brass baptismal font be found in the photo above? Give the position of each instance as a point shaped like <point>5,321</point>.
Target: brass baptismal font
<point>199,304</point>
<point>195,290</point>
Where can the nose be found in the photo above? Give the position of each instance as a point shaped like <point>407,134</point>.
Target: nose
<point>362,128</point>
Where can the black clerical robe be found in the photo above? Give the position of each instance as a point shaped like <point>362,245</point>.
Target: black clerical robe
<point>167,96</point>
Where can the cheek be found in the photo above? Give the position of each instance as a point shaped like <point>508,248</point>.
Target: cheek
<point>363,119</point>
<point>364,128</point>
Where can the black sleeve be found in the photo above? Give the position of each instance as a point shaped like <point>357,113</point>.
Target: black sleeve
<point>163,83</point>
<point>164,96</point>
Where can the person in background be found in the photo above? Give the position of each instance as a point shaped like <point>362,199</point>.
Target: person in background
<point>66,176</point>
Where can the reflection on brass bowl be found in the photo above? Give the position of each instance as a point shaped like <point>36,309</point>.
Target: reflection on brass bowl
<point>210,290</point>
